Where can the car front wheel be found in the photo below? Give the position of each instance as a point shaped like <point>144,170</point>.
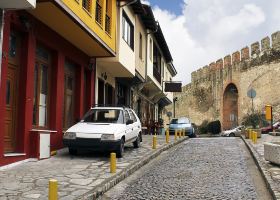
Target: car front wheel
<point>231,135</point>
<point>120,149</point>
<point>136,143</point>
<point>73,151</point>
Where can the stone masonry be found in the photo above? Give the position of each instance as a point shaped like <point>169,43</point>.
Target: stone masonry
<point>257,67</point>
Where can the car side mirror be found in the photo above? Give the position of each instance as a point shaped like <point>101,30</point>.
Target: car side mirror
<point>130,121</point>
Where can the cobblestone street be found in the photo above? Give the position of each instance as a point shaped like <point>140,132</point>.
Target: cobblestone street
<point>76,175</point>
<point>197,169</point>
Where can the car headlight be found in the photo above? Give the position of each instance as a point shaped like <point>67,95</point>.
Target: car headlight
<point>107,137</point>
<point>69,135</point>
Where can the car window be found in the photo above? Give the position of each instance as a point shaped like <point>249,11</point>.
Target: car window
<point>126,116</point>
<point>183,121</point>
<point>174,121</point>
<point>104,116</point>
<point>133,117</point>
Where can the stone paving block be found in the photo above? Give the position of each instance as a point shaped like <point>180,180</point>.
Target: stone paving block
<point>76,175</point>
<point>270,171</point>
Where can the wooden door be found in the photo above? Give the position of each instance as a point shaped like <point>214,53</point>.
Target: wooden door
<point>69,94</point>
<point>12,94</point>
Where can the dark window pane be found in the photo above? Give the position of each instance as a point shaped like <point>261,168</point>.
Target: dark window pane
<point>35,103</point>
<point>44,84</point>
<point>70,83</point>
<point>42,53</point>
<point>8,92</point>
<point>12,46</point>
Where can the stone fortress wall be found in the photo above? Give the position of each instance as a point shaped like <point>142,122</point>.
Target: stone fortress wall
<point>257,67</point>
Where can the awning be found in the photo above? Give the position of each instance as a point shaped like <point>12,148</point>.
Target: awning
<point>164,101</point>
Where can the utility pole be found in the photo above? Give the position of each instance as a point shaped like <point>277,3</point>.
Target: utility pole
<point>174,101</point>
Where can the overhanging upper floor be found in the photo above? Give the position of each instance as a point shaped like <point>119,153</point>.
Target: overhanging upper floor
<point>94,35</point>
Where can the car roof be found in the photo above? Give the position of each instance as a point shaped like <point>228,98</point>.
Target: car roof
<point>182,120</point>
<point>109,108</point>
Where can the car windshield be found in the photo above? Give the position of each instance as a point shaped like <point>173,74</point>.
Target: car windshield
<point>104,116</point>
<point>180,121</point>
<point>174,121</point>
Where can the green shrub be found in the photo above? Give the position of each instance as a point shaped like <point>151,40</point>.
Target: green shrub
<point>214,127</point>
<point>202,129</point>
<point>254,120</point>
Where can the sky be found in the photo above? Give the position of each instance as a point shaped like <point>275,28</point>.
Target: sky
<point>199,32</point>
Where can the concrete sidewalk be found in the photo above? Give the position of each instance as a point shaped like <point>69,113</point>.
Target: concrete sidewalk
<point>270,172</point>
<point>84,176</point>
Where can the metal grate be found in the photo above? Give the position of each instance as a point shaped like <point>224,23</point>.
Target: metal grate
<point>87,5</point>
<point>108,24</point>
<point>98,13</point>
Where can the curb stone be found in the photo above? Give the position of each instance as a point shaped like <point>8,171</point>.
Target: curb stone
<point>104,186</point>
<point>260,162</point>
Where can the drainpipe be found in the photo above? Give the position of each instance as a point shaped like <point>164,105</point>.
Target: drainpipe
<point>1,38</point>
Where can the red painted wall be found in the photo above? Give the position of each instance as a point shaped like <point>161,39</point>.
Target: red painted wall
<point>61,49</point>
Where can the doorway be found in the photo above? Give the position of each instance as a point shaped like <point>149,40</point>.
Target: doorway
<point>69,94</point>
<point>230,107</point>
<point>101,88</point>
<point>11,100</point>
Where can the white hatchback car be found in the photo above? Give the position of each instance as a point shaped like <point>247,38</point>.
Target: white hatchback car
<point>104,129</point>
<point>235,132</point>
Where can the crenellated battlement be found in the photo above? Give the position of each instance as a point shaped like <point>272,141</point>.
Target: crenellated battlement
<point>256,50</point>
<point>208,96</point>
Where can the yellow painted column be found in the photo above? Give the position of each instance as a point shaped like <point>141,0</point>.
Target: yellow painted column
<point>113,163</point>
<point>53,189</point>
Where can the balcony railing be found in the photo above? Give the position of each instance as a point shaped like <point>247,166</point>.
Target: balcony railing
<point>157,75</point>
<point>108,24</point>
<point>98,13</point>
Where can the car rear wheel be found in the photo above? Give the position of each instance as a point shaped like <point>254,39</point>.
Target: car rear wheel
<point>231,135</point>
<point>120,149</point>
<point>73,151</point>
<point>136,143</point>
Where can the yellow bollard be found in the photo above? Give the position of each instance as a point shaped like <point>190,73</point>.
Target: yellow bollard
<point>175,136</point>
<point>184,132</point>
<point>53,189</point>
<point>154,142</point>
<point>256,137</point>
<point>180,133</point>
<point>167,136</point>
<point>250,134</point>
<point>113,163</point>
